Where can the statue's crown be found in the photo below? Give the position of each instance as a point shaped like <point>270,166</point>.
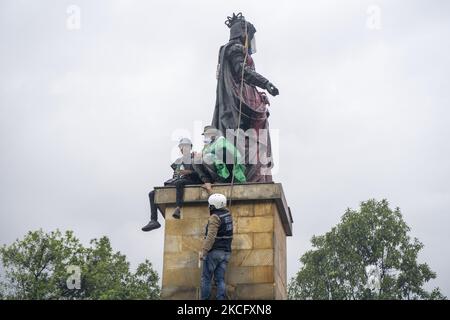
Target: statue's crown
<point>234,18</point>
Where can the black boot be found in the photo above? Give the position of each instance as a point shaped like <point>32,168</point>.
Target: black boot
<point>153,224</point>
<point>176,213</point>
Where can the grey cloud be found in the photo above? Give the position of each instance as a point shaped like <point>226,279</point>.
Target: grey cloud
<point>87,116</point>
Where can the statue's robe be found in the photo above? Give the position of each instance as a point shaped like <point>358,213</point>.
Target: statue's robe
<point>254,110</point>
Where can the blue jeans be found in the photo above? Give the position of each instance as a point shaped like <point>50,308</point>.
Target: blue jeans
<point>215,264</point>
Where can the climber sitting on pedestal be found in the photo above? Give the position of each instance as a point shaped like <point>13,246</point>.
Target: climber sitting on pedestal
<point>218,161</point>
<point>183,174</point>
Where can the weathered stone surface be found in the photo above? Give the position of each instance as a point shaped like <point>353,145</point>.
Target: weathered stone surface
<point>280,257</point>
<point>257,291</point>
<point>235,224</point>
<point>243,209</point>
<point>257,268</point>
<point>254,224</point>
<point>186,227</point>
<point>242,241</point>
<point>184,277</point>
<point>263,274</point>
<point>264,208</point>
<point>242,275</point>
<point>194,212</point>
<point>172,243</point>
<point>192,243</point>
<point>180,260</point>
<point>262,240</point>
<point>237,275</point>
<point>280,287</point>
<point>259,257</point>
<point>255,257</point>
<point>179,293</point>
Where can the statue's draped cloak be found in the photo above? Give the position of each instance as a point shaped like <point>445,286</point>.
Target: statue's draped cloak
<point>254,111</point>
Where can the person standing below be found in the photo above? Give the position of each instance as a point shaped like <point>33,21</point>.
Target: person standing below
<point>216,250</point>
<point>183,174</point>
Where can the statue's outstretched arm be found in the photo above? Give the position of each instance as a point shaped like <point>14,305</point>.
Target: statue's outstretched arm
<point>237,56</point>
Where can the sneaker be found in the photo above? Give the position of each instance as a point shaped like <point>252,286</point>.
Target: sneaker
<point>176,213</point>
<point>151,225</point>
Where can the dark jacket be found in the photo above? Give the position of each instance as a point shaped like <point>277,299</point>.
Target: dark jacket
<point>219,231</point>
<point>184,163</point>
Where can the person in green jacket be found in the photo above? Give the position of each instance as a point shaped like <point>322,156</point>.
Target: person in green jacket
<point>219,160</point>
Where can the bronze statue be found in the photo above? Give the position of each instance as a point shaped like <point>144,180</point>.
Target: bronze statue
<point>239,105</point>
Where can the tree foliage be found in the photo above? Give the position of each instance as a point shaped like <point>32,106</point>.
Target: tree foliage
<point>368,255</point>
<point>42,266</point>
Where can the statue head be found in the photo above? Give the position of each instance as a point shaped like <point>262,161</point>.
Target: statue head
<point>242,30</point>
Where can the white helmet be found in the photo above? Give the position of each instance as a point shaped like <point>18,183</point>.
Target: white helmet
<point>217,200</point>
<point>185,141</point>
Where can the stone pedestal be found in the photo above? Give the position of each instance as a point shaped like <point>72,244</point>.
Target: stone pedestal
<point>262,220</point>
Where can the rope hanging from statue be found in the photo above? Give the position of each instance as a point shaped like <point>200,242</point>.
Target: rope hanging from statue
<point>240,115</point>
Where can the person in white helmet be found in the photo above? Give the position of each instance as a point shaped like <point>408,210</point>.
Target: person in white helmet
<point>183,174</point>
<point>216,247</point>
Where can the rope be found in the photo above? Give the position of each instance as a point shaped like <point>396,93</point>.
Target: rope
<point>240,114</point>
<point>237,135</point>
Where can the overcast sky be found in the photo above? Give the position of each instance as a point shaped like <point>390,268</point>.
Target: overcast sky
<point>89,116</point>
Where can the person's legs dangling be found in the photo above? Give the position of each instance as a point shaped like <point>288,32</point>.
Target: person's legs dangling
<point>153,224</point>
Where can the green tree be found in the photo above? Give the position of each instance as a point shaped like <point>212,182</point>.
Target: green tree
<point>41,266</point>
<point>368,255</point>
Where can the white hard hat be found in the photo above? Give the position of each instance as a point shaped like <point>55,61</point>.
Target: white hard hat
<point>185,141</point>
<point>217,200</point>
